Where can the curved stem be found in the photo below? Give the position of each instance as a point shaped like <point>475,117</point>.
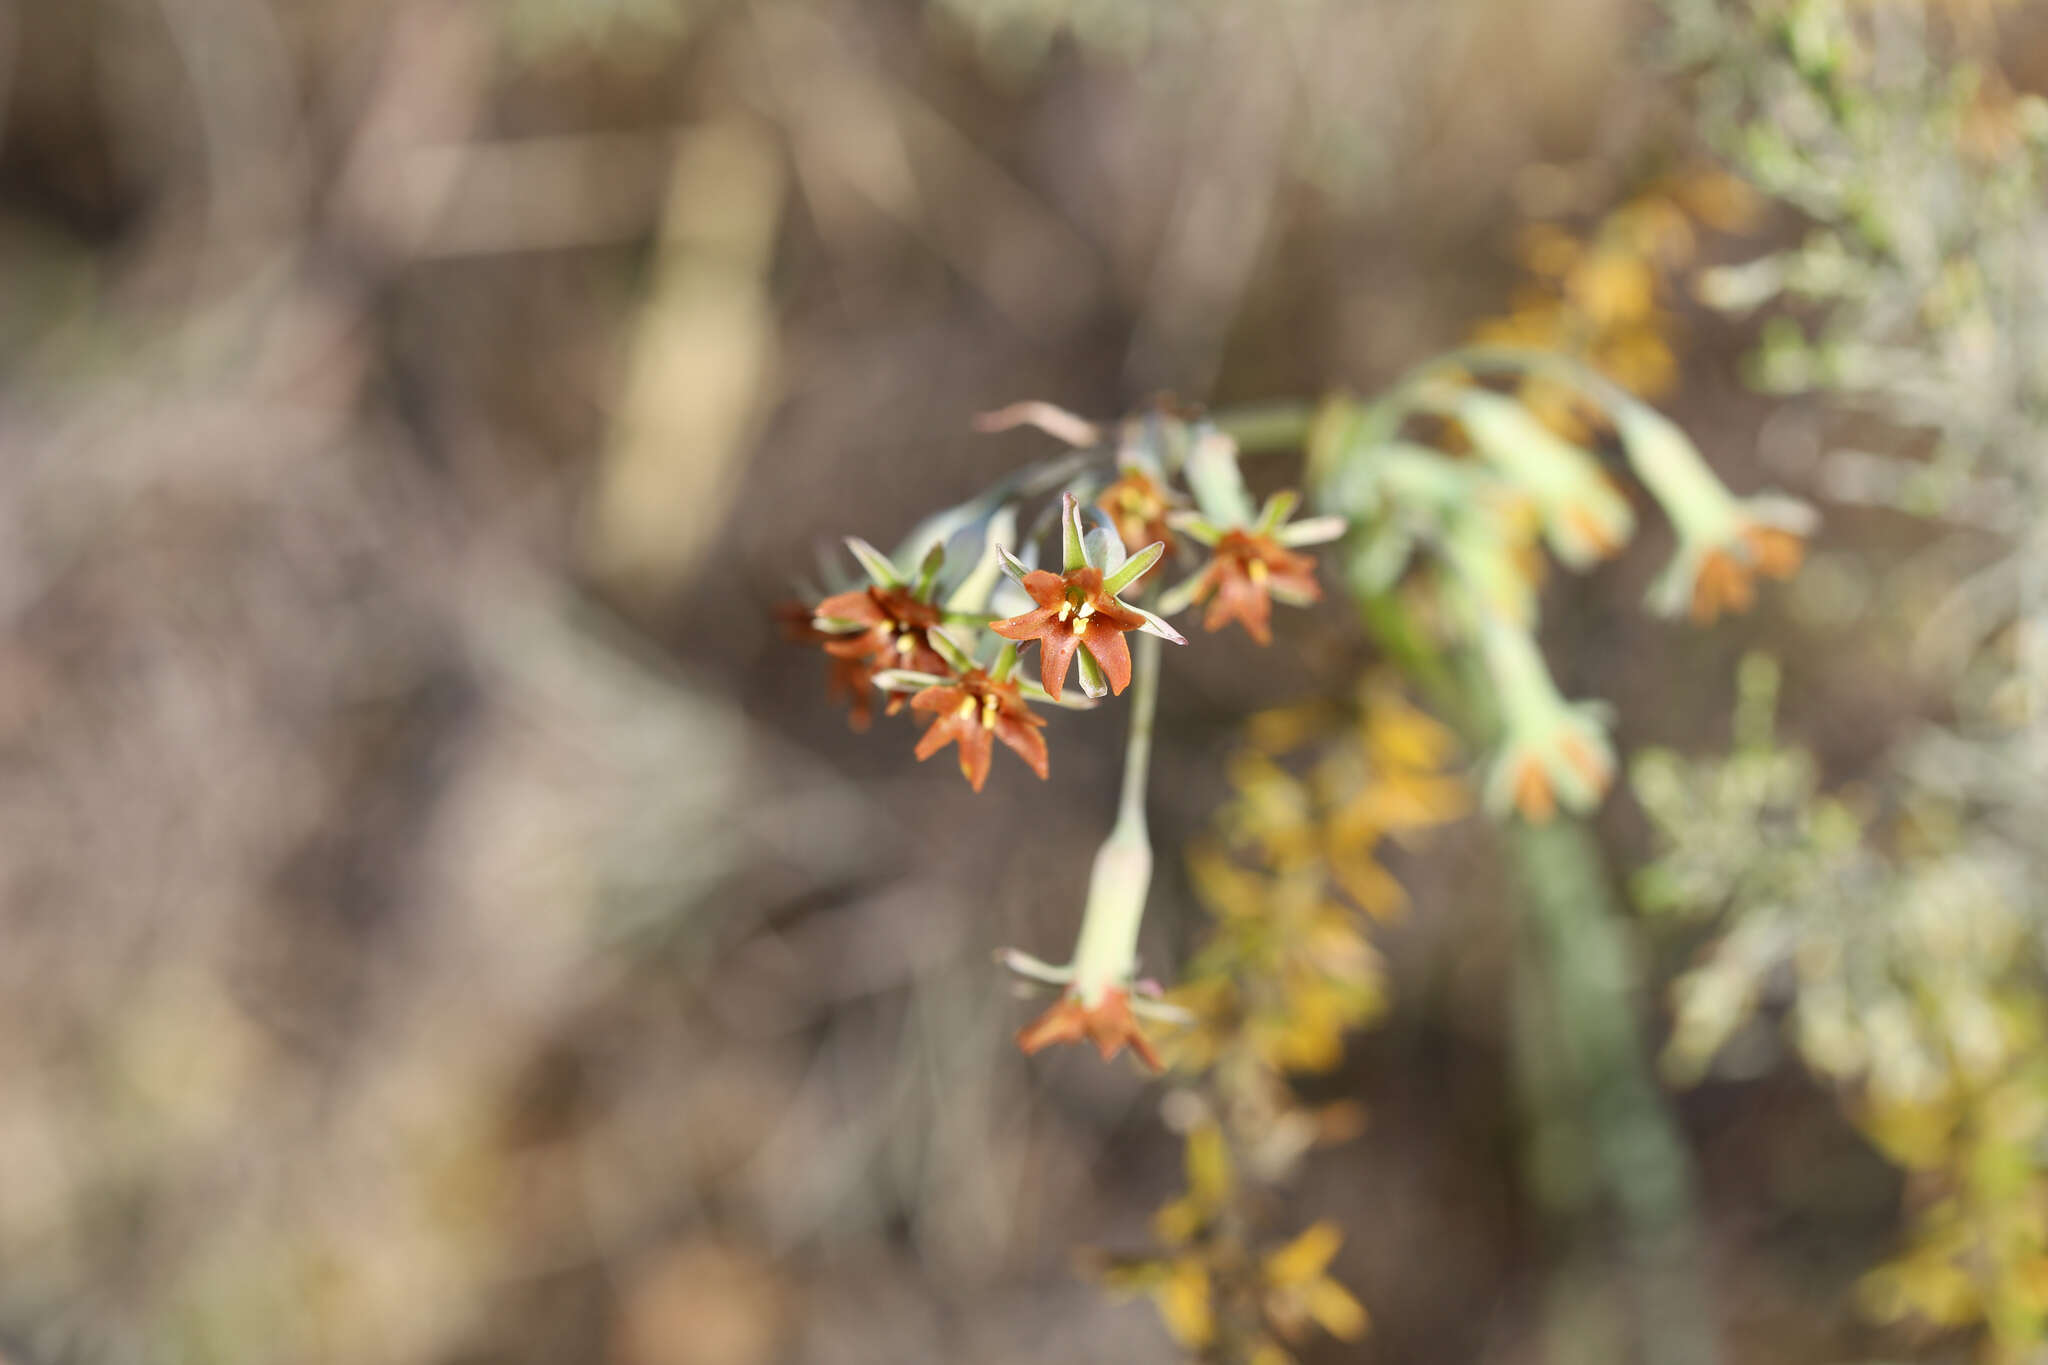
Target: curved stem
<point>1276,427</point>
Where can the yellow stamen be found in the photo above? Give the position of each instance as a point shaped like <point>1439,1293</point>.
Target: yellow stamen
<point>1080,625</point>
<point>1256,571</point>
<point>1087,609</point>
<point>906,644</point>
<point>1066,610</point>
<point>966,710</point>
<point>988,713</point>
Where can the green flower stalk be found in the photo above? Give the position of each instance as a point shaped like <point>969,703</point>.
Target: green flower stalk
<point>1101,997</point>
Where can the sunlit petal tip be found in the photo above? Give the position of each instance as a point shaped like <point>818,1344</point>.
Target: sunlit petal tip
<point>1054,421</point>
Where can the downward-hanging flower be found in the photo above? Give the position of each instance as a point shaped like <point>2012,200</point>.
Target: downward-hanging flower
<point>973,711</point>
<point>1079,610</point>
<point>1553,752</point>
<point>1100,996</point>
<point>1109,1024</point>
<point>1723,542</point>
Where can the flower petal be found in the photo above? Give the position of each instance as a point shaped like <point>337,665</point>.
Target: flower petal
<point>976,745</point>
<point>937,736</point>
<point>1055,653</point>
<point>850,606</point>
<point>1025,741</point>
<point>1029,626</point>
<point>1113,654</point>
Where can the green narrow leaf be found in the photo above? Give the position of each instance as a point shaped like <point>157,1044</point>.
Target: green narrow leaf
<point>874,563</point>
<point>1073,551</point>
<point>1134,568</point>
<point>1277,510</point>
<point>1093,683</point>
<point>928,572</point>
<point>1156,626</point>
<point>1312,531</point>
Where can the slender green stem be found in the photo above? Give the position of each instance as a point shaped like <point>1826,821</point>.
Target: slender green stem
<point>1145,666</point>
<point>1581,951</point>
<point>1106,953</point>
<point>1284,425</point>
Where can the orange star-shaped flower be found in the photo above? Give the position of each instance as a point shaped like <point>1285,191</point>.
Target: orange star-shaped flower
<point>1246,570</point>
<point>1725,581</point>
<point>1109,1024</point>
<point>894,629</point>
<point>1074,611</point>
<point>1138,503</point>
<point>974,711</point>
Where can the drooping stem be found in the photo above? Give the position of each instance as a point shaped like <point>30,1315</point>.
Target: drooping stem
<point>1279,426</point>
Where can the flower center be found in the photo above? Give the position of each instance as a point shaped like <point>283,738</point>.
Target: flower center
<point>1256,571</point>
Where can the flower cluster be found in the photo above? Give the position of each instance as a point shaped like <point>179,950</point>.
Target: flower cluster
<point>943,639</point>
<point>1456,485</point>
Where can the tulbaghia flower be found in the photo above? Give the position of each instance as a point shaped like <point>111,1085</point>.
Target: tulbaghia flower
<point>1553,752</point>
<point>1100,999</point>
<point>1585,517</point>
<point>1137,503</point>
<point>973,711</point>
<point>1723,541</point>
<point>1250,567</point>
<point>1108,1023</point>
<point>1080,609</point>
<point>1245,573</point>
<point>890,626</point>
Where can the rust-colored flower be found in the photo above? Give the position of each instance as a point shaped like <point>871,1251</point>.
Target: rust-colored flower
<point>1724,581</point>
<point>1724,541</point>
<point>1109,1024</point>
<point>849,680</point>
<point>889,626</point>
<point>1553,752</point>
<point>1074,610</point>
<point>973,711</point>
<point>1246,572</point>
<point>1137,504</point>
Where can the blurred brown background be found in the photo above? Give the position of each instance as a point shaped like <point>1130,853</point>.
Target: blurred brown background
<point>441,922</point>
